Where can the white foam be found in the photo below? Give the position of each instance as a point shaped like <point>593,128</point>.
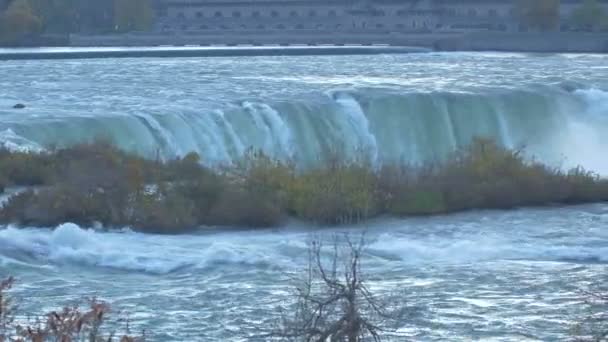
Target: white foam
<point>14,142</point>
<point>558,127</point>
<point>163,133</point>
<point>360,125</point>
<point>483,247</point>
<point>127,250</point>
<point>461,242</point>
<point>69,243</point>
<point>597,100</point>
<point>585,142</point>
<point>276,133</point>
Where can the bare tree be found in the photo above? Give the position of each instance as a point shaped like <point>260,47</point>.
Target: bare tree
<point>594,327</point>
<point>333,302</point>
<point>71,324</point>
<point>7,309</point>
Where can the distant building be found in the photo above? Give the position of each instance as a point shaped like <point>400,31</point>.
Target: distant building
<point>342,15</point>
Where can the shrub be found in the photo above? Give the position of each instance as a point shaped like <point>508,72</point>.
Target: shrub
<point>164,212</point>
<point>26,169</point>
<point>185,169</point>
<point>418,202</point>
<point>411,191</point>
<point>3,184</point>
<point>253,193</point>
<point>240,207</point>
<point>68,324</point>
<point>488,173</point>
<point>99,183</point>
<point>50,207</point>
<point>203,192</point>
<point>484,175</point>
<point>584,186</point>
<point>336,195</point>
<point>268,178</point>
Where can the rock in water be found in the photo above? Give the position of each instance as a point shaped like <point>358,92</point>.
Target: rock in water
<point>19,106</point>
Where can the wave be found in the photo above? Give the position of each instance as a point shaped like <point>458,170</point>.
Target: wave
<point>443,244</point>
<point>69,243</point>
<point>483,246</point>
<point>14,142</point>
<point>125,250</point>
<point>558,124</point>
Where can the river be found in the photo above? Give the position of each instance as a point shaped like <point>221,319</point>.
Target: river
<point>493,275</point>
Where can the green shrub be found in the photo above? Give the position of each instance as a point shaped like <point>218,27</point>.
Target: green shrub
<point>417,202</point>
<point>484,175</point>
<point>336,195</point>
<point>50,207</point>
<point>3,183</point>
<point>166,212</point>
<point>99,183</point>
<point>411,191</point>
<point>585,187</point>
<point>203,192</point>
<point>26,169</point>
<point>187,168</point>
<point>239,207</point>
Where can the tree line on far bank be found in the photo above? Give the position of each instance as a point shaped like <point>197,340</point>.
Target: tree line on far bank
<point>544,15</point>
<point>22,19</point>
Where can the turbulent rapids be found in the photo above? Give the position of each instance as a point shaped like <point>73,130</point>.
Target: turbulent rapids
<point>482,275</point>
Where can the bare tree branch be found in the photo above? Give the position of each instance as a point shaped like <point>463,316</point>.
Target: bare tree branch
<point>594,327</point>
<point>335,305</point>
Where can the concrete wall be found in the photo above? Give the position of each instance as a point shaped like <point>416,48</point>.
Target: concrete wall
<point>526,42</point>
<point>476,41</point>
<point>248,38</point>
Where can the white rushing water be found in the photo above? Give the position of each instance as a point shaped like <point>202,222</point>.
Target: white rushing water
<point>490,275</point>
<point>507,276</point>
<point>384,109</point>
